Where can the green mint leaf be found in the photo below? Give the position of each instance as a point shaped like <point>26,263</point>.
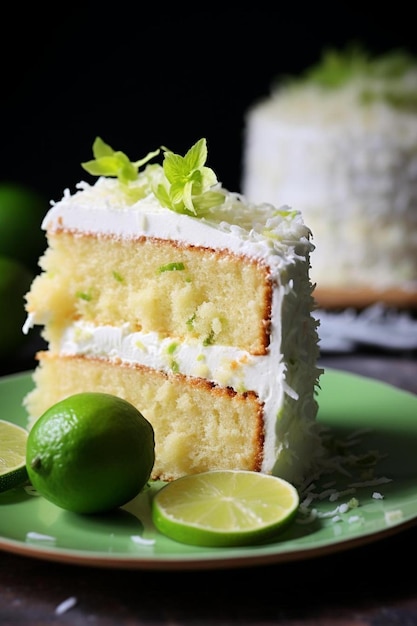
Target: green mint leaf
<point>146,159</point>
<point>189,180</point>
<point>101,149</point>
<point>108,162</point>
<point>207,200</point>
<point>196,155</point>
<point>182,184</point>
<point>337,67</point>
<point>174,167</point>
<point>162,193</point>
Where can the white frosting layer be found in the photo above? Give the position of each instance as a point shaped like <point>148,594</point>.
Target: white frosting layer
<point>259,231</point>
<point>351,169</point>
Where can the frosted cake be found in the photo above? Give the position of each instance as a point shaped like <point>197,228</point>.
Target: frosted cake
<point>339,143</point>
<point>160,286</point>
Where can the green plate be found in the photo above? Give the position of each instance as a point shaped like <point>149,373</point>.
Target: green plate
<point>360,412</point>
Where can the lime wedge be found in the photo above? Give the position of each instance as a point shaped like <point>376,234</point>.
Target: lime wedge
<point>13,440</point>
<point>224,508</point>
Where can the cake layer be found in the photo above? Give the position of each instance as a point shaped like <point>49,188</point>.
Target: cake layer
<point>188,293</point>
<point>197,425</point>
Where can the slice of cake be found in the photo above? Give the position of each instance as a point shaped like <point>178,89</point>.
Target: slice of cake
<point>340,143</point>
<point>165,289</point>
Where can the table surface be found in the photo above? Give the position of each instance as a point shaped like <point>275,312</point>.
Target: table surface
<point>371,585</point>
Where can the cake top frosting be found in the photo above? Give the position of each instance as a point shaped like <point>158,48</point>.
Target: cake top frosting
<point>180,199</point>
<point>345,82</point>
<point>391,78</point>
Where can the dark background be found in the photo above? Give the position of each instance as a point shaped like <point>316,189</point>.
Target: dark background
<point>142,75</point>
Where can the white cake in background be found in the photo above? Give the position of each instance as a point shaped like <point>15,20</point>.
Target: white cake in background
<point>191,303</point>
<point>340,144</point>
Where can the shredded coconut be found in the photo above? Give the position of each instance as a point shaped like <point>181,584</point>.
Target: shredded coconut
<point>371,483</point>
<point>352,471</point>
<point>339,494</point>
<point>393,517</point>
<point>142,541</point>
<point>377,496</point>
<point>34,536</point>
<point>66,605</point>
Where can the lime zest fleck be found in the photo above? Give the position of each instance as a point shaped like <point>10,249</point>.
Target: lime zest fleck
<point>83,295</point>
<point>172,347</point>
<point>175,366</point>
<point>269,234</point>
<point>190,322</point>
<point>170,351</point>
<point>209,340</point>
<point>291,213</point>
<point>171,267</point>
<point>118,276</point>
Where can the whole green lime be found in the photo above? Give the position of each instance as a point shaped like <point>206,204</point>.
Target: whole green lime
<point>90,453</point>
<point>15,280</point>
<point>21,213</point>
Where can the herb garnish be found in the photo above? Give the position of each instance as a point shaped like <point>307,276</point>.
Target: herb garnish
<point>108,162</point>
<point>382,75</point>
<point>183,183</point>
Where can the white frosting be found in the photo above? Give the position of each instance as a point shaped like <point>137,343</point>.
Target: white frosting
<point>350,168</point>
<point>259,231</point>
